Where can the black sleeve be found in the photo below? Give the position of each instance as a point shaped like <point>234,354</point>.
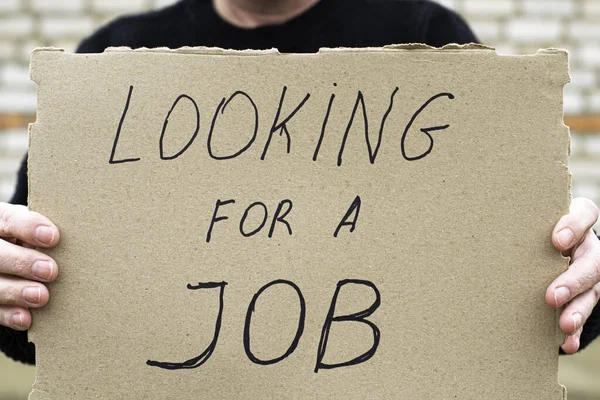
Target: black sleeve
<point>20,194</point>
<point>591,329</point>
<point>15,344</point>
<point>97,42</point>
<point>441,26</point>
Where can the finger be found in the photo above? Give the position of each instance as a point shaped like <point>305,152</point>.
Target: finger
<point>572,343</point>
<point>579,310</point>
<point>16,318</point>
<point>572,227</point>
<point>22,293</point>
<point>581,276</point>
<point>33,228</point>
<point>26,263</point>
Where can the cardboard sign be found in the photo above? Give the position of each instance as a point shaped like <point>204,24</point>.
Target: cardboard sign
<point>352,224</point>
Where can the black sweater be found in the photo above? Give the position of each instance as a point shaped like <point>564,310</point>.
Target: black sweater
<point>330,23</point>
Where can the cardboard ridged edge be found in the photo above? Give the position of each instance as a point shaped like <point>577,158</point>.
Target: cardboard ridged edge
<point>34,394</point>
<point>37,394</point>
<point>31,126</point>
<point>559,334</point>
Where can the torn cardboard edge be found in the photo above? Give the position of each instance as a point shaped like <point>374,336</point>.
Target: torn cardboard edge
<point>206,50</point>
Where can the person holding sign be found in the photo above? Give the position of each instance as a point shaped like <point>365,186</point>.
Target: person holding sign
<point>299,26</point>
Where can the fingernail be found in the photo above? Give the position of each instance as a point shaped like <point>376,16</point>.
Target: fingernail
<point>17,320</point>
<point>42,269</point>
<point>44,234</point>
<point>577,341</point>
<point>565,237</point>
<point>577,321</point>
<point>32,294</point>
<point>561,295</point>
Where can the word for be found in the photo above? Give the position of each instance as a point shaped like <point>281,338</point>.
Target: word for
<point>282,211</point>
<point>245,104</point>
<point>359,316</point>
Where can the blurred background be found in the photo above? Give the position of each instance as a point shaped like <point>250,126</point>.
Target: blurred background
<point>511,26</point>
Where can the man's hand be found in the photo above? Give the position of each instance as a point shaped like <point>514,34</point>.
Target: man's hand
<point>22,268</point>
<point>580,285</point>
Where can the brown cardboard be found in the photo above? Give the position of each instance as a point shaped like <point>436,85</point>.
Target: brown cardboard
<point>452,230</point>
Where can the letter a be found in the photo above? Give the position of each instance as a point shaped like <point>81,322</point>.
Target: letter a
<point>352,224</point>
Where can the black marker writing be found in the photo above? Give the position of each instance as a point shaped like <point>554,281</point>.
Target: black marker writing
<point>205,355</point>
<point>280,216</point>
<point>248,323</point>
<point>354,208</point>
<point>260,226</point>
<point>426,131</point>
<point>282,126</point>
<point>217,219</point>
<point>356,317</point>
<point>221,107</point>
<point>324,126</point>
<point>281,122</point>
<point>283,210</point>
<point>372,152</point>
<point>166,123</point>
<point>111,159</point>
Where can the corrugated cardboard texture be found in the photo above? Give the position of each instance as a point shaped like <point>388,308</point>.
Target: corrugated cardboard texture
<point>445,214</point>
